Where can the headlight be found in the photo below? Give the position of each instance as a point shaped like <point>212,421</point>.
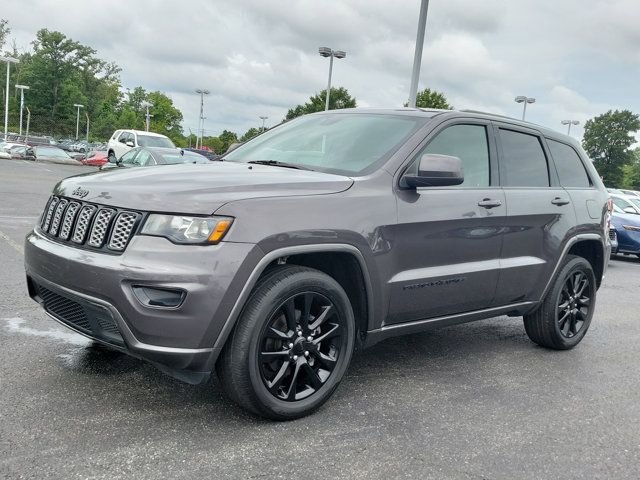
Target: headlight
<point>185,229</point>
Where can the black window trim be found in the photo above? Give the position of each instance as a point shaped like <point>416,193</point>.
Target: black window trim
<point>591,186</point>
<point>554,181</point>
<point>494,174</point>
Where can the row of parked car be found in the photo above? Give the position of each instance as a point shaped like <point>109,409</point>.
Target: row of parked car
<point>625,222</point>
<point>126,148</point>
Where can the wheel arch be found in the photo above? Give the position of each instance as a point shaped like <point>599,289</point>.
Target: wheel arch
<point>589,246</point>
<point>319,257</point>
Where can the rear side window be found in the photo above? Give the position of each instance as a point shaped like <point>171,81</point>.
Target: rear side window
<point>569,166</point>
<point>523,162</point>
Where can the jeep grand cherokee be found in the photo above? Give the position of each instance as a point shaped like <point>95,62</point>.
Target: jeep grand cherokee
<point>328,233</point>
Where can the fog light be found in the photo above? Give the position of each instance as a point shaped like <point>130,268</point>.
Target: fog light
<point>159,297</point>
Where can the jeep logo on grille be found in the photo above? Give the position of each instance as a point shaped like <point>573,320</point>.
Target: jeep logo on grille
<point>80,192</point>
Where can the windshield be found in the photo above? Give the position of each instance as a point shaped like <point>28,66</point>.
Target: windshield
<point>152,141</point>
<point>335,143</point>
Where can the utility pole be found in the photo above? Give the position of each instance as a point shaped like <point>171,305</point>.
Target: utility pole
<point>22,88</point>
<point>327,52</point>
<point>8,61</point>
<point>87,115</point>
<point>78,106</point>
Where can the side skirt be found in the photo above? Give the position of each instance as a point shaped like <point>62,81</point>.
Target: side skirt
<point>375,336</point>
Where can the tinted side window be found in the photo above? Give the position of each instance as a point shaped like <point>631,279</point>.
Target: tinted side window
<point>523,162</point>
<point>569,166</point>
<point>469,144</point>
<point>128,158</point>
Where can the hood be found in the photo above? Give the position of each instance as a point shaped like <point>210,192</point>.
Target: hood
<point>196,188</point>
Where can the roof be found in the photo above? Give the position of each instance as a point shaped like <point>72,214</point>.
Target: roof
<point>143,132</point>
<point>439,113</point>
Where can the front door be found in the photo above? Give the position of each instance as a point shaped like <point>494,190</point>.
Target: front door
<point>448,239</point>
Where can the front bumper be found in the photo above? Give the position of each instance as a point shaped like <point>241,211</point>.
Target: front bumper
<point>91,292</point>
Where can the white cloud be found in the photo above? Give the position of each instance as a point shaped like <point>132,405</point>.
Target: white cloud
<point>259,57</point>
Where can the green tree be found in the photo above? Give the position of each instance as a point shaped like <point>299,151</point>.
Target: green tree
<point>339,98</point>
<point>631,172</point>
<point>167,119</point>
<point>214,143</point>
<point>607,140</point>
<point>252,132</point>
<point>227,139</point>
<point>5,31</point>
<point>428,98</point>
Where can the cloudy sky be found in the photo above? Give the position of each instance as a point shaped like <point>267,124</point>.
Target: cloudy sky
<point>578,58</point>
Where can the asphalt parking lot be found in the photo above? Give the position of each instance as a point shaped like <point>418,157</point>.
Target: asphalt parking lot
<point>477,401</point>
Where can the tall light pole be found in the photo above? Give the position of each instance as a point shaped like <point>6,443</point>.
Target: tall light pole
<point>87,115</point>
<point>524,100</point>
<point>263,119</point>
<point>202,93</point>
<point>8,61</point>
<point>569,123</point>
<point>327,52</point>
<point>147,116</point>
<point>22,89</point>
<point>417,56</point>
<point>78,106</point>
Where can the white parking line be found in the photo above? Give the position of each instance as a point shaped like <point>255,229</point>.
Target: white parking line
<point>12,244</point>
<point>37,165</point>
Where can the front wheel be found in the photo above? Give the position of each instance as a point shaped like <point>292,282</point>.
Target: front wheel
<point>292,344</point>
<point>111,157</point>
<point>563,318</point>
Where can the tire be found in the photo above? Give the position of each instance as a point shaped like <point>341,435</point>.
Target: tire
<point>563,318</point>
<point>111,157</point>
<point>282,387</point>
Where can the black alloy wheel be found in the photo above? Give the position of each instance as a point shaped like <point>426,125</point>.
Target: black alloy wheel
<point>574,303</point>
<point>300,346</point>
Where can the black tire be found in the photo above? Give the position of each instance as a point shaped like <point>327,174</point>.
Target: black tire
<point>563,318</point>
<point>248,378</point>
<point>111,157</point>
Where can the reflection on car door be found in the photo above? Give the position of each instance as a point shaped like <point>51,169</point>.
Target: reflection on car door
<point>539,214</point>
<point>448,239</point>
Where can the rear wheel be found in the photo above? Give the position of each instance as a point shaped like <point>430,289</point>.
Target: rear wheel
<point>291,346</point>
<point>111,157</point>
<point>564,316</point>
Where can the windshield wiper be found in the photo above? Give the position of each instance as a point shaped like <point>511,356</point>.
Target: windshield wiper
<point>276,163</point>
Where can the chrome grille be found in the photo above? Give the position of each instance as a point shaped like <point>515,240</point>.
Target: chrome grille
<point>84,220</point>
<point>100,226</point>
<point>46,219</point>
<point>57,217</point>
<point>69,217</point>
<point>122,230</point>
<point>88,225</point>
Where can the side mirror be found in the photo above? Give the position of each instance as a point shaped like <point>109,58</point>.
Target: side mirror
<point>129,143</point>
<point>435,171</point>
<point>630,210</point>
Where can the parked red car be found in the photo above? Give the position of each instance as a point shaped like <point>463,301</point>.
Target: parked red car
<point>95,158</point>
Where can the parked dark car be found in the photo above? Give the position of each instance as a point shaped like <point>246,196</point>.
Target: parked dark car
<point>209,154</point>
<point>332,231</point>
<point>43,153</point>
<point>40,141</point>
<point>150,156</point>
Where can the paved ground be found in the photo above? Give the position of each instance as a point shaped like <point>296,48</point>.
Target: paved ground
<point>474,401</point>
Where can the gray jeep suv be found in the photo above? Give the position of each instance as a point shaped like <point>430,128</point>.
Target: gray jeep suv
<point>326,234</point>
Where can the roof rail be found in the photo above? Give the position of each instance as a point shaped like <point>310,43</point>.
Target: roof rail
<point>493,115</point>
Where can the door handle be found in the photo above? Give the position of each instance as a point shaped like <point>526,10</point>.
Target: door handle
<point>560,201</point>
<point>489,203</point>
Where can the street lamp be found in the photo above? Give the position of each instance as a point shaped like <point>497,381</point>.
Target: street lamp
<point>524,100</point>
<point>8,61</point>
<point>22,89</point>
<point>147,116</point>
<point>263,119</point>
<point>202,93</point>
<point>417,56</point>
<point>569,123</point>
<point>78,106</point>
<point>327,52</point>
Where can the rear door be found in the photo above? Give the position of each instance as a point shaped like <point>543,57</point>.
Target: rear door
<point>539,215</point>
<point>448,239</point>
